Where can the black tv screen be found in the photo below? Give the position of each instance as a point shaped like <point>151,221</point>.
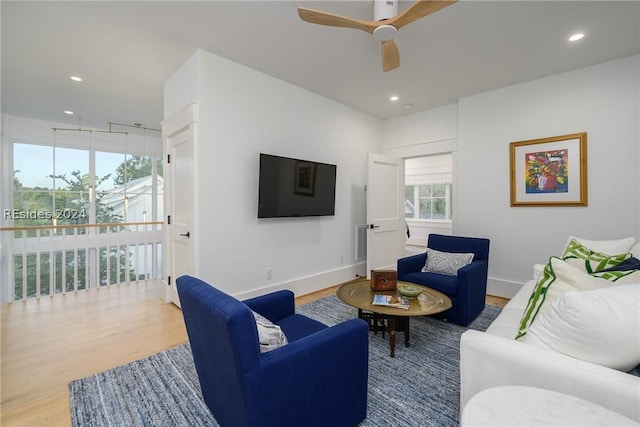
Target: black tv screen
<point>295,188</point>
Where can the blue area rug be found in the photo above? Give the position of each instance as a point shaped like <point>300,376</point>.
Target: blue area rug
<point>419,387</point>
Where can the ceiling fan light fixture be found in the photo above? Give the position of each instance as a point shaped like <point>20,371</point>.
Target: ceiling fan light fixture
<point>384,32</point>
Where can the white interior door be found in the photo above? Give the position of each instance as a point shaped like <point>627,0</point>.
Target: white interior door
<point>385,212</point>
<point>182,207</point>
<point>180,189</point>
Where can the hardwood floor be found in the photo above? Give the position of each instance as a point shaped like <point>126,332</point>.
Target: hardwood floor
<point>49,342</point>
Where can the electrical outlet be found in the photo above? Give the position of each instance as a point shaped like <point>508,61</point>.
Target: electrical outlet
<point>269,272</point>
<point>341,258</point>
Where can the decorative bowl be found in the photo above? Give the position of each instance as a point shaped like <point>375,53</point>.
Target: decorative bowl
<point>409,291</point>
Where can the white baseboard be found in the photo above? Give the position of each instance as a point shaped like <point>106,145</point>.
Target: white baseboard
<point>502,288</point>
<point>308,284</point>
<point>317,282</point>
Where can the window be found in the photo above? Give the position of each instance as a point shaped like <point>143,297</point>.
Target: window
<point>109,203</point>
<point>51,186</point>
<point>428,182</point>
<point>61,186</point>
<point>428,201</point>
<point>32,186</point>
<point>71,186</point>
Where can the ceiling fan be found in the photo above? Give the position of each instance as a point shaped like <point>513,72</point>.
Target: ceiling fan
<point>385,25</point>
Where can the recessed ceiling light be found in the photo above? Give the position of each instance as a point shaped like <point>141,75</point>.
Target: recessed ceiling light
<point>76,78</point>
<point>407,106</point>
<point>394,98</point>
<point>576,37</point>
<point>68,112</point>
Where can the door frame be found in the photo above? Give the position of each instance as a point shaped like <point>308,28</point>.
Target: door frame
<point>442,146</point>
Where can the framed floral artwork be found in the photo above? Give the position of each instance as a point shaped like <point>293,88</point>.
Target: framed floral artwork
<point>549,171</point>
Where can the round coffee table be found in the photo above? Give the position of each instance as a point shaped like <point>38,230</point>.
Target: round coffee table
<point>390,319</point>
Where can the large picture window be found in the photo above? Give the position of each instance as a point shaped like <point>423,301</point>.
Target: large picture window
<point>56,192</point>
<point>52,186</point>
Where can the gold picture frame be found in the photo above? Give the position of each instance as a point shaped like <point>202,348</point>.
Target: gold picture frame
<point>549,171</point>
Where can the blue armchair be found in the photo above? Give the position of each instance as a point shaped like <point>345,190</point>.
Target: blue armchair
<point>318,379</point>
<point>467,289</point>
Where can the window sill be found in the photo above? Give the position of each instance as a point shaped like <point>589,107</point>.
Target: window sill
<point>428,221</point>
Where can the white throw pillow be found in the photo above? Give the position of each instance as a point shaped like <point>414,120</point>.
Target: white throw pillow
<point>269,334</point>
<point>445,262</point>
<point>557,278</point>
<point>609,247</point>
<point>601,326</point>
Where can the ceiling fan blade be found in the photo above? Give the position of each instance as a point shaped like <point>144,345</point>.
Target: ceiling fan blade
<point>390,56</point>
<point>420,9</point>
<point>332,20</point>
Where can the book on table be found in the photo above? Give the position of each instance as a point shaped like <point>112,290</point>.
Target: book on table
<point>396,301</point>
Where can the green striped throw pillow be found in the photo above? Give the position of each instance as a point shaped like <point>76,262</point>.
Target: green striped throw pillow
<point>536,299</point>
<point>580,256</point>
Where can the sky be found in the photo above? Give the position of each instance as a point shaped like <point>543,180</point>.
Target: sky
<point>36,163</point>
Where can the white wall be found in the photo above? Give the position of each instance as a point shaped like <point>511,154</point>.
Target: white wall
<point>428,132</point>
<point>242,113</point>
<point>32,131</point>
<point>602,100</point>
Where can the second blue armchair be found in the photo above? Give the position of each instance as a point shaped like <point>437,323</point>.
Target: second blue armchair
<point>467,289</point>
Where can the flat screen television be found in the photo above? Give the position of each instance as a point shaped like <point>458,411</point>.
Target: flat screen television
<point>295,188</point>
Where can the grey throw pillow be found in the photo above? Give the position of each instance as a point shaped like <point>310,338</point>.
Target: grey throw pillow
<point>269,334</point>
<point>445,262</point>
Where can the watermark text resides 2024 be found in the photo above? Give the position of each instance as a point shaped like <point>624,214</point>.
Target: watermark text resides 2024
<point>35,214</point>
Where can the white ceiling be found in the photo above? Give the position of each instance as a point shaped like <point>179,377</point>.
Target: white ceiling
<point>126,50</point>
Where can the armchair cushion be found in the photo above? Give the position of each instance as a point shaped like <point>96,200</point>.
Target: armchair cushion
<point>445,262</point>
<point>297,326</point>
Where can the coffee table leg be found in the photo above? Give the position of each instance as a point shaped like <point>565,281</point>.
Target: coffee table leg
<point>392,335</point>
<point>406,333</point>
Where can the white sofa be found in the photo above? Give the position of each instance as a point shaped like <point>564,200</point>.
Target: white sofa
<point>494,358</point>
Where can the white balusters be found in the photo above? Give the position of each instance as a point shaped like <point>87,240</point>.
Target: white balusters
<point>127,247</point>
